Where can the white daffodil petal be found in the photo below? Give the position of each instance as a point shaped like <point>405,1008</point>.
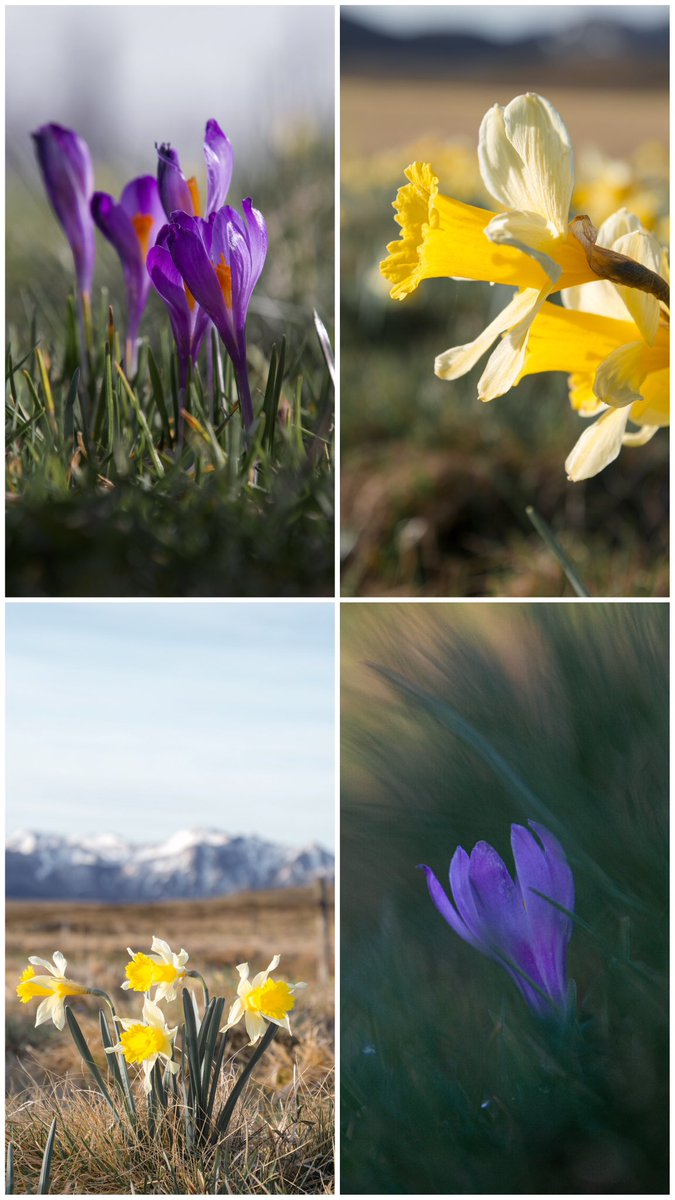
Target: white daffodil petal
<point>148,1065</point>
<point>161,947</point>
<point>501,167</point>
<point>235,1015</point>
<point>506,362</point>
<point>42,962</point>
<point>598,446</point>
<point>60,961</point>
<point>243,970</point>
<point>641,436</point>
<point>458,360</point>
<point>539,135</point>
<point>274,964</point>
<point>525,231</point>
<point>600,296</point>
<point>152,1014</point>
<point>620,375</point>
<point>643,307</point>
<point>45,1010</point>
<point>616,226</point>
<point>255,1026</point>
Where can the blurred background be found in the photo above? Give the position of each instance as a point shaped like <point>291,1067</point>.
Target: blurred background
<point>435,484</point>
<point>457,721</point>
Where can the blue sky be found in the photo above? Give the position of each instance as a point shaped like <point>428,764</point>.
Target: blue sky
<point>142,719</point>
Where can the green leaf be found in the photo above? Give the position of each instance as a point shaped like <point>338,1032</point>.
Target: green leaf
<point>230,1104</point>
<point>45,1172</point>
<point>158,394</point>
<point>9,1172</point>
<point>87,1057</point>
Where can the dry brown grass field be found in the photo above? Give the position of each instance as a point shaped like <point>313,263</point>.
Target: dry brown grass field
<point>291,1088</point>
<point>381,113</point>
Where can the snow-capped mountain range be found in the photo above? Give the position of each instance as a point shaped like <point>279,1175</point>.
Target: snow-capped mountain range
<point>192,864</point>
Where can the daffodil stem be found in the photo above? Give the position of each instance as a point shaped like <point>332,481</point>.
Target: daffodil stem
<point>229,1106</point>
<point>547,536</point>
<point>196,975</point>
<point>104,996</point>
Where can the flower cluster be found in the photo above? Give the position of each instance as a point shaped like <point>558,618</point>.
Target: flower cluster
<point>204,265</point>
<point>260,1001</point>
<point>611,336</point>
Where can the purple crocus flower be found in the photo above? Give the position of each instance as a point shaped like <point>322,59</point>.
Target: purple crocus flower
<point>68,176</point>
<point>189,322</point>
<point>220,261</point>
<point>132,226</point>
<point>508,920</point>
<point>179,194</point>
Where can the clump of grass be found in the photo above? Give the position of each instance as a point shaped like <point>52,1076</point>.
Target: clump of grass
<point>279,1143</point>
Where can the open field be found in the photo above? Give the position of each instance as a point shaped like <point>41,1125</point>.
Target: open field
<point>380,113</point>
<point>291,1090</point>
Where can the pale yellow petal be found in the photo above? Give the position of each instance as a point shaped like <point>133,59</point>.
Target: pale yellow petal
<point>619,377</point>
<point>458,360</point>
<point>654,407</point>
<point>528,233</point>
<point>643,307</point>
<point>598,446</point>
<point>505,364</point>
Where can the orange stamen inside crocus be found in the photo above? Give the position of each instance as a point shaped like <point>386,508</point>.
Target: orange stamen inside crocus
<point>190,298</point>
<point>224,274</point>
<point>196,198</point>
<point>143,223</point>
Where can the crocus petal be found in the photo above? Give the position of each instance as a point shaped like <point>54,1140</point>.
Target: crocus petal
<point>219,163</point>
<point>446,908</point>
<point>68,175</point>
<point>189,254</point>
<point>598,446</point>
<point>173,187</point>
<point>544,869</point>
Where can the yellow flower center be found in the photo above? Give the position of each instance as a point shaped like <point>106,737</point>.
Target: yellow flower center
<point>143,1041</point>
<point>272,999</point>
<point>143,973</point>
<point>143,223</point>
<point>196,198</point>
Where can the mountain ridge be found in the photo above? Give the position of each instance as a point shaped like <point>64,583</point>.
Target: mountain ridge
<point>190,864</point>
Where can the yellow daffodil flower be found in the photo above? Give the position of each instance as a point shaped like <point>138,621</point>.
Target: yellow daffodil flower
<point>613,341</point>
<point>526,163</point>
<point>162,969</point>
<point>146,1041</point>
<point>54,988</point>
<point>261,1001</point>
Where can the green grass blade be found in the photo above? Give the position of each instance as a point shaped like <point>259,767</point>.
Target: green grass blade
<point>9,1172</point>
<point>548,537</point>
<point>208,1047</point>
<point>158,394</point>
<point>118,1066</point>
<point>192,1047</point>
<point>324,342</point>
<point>45,1172</point>
<point>69,410</point>
<point>141,420</point>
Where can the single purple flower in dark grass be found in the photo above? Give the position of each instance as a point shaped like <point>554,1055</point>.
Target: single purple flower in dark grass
<point>189,321</point>
<point>511,921</point>
<point>179,194</point>
<point>68,175</point>
<point>220,261</point>
<point>132,226</point>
